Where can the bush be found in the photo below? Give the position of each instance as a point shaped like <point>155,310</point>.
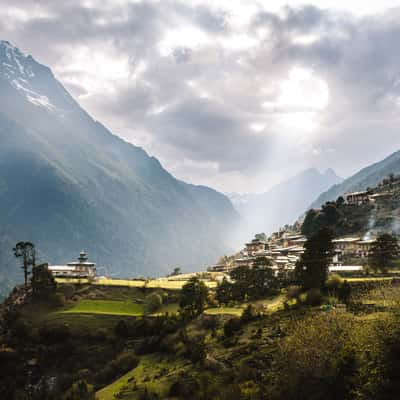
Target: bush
<point>80,390</point>
<point>68,291</point>
<point>232,326</point>
<point>313,297</point>
<point>153,302</point>
<point>248,314</point>
<point>185,387</point>
<point>20,330</point>
<point>117,367</point>
<point>315,360</point>
<point>293,292</point>
<point>121,329</point>
<point>334,282</point>
<point>344,292</point>
<point>196,351</point>
<point>54,334</point>
<point>59,300</point>
<point>100,335</point>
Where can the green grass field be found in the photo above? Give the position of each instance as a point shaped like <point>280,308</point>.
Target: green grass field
<point>153,372</point>
<point>84,322</point>
<point>111,307</point>
<point>237,311</point>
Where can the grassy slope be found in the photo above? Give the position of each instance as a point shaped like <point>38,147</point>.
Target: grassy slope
<point>154,372</point>
<point>270,304</point>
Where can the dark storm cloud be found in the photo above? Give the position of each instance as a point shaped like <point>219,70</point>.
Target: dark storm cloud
<point>198,86</point>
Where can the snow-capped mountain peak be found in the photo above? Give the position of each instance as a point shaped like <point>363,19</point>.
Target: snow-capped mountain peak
<point>23,76</point>
<point>14,63</point>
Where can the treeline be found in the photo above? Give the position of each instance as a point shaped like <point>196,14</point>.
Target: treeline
<point>338,216</point>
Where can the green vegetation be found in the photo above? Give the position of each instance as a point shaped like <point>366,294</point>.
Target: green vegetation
<point>113,307</point>
<point>193,298</point>
<point>248,284</point>
<point>312,269</point>
<point>153,302</point>
<point>26,251</point>
<point>384,252</point>
<point>255,337</point>
<point>341,218</point>
<point>42,283</point>
<point>155,373</point>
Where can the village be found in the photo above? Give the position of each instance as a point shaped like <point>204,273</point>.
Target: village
<point>280,251</point>
<point>283,249</point>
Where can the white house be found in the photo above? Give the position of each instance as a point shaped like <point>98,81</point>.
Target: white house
<point>81,268</point>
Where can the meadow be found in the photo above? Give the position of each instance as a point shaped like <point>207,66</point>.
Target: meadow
<point>153,372</point>
<point>111,307</point>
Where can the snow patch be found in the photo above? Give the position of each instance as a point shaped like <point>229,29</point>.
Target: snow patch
<point>32,96</point>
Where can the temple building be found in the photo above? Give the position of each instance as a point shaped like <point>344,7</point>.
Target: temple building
<point>358,198</point>
<point>82,268</point>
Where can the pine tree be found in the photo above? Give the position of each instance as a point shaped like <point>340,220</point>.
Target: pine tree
<point>312,268</point>
<point>384,252</point>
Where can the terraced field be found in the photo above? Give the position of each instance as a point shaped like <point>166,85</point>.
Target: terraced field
<point>166,284</point>
<point>110,307</point>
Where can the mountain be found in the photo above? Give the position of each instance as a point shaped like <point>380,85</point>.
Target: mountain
<point>67,183</point>
<point>370,176</point>
<point>283,203</point>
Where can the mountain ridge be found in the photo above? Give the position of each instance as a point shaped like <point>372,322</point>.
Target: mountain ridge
<point>368,176</point>
<point>276,207</point>
<point>66,177</point>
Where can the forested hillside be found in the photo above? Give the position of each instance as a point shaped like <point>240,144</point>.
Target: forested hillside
<point>370,176</point>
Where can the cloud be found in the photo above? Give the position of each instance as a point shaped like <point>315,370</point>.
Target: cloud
<point>232,94</point>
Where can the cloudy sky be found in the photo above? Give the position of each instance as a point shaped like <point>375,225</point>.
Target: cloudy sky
<point>237,95</point>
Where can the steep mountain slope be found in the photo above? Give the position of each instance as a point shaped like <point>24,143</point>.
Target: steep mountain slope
<point>367,177</point>
<point>67,183</point>
<point>283,203</point>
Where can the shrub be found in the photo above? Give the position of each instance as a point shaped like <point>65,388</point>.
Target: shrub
<point>344,292</point>
<point>20,330</point>
<point>80,390</point>
<point>117,367</point>
<point>196,351</point>
<point>248,314</point>
<point>100,334</point>
<point>54,334</point>
<point>209,322</point>
<point>153,302</point>
<point>121,329</point>
<point>293,292</point>
<point>334,282</point>
<point>59,300</point>
<point>314,360</point>
<point>303,297</point>
<point>185,387</point>
<point>68,291</point>
<point>232,326</point>
<point>313,297</point>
